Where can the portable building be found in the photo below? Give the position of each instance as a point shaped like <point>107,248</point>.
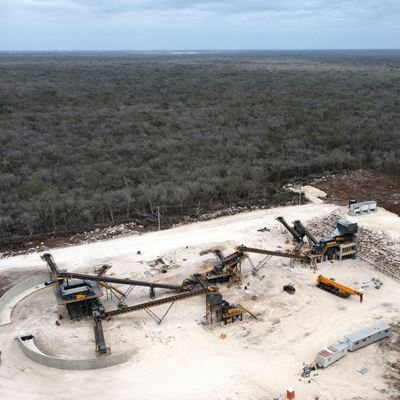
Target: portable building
<point>366,336</point>
<point>332,353</point>
<point>362,206</point>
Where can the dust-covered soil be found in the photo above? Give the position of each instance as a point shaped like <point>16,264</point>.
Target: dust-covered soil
<point>362,185</point>
<point>10,278</point>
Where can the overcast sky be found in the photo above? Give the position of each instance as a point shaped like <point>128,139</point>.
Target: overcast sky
<point>198,24</point>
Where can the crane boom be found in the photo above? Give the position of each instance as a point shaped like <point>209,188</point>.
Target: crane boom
<point>337,288</point>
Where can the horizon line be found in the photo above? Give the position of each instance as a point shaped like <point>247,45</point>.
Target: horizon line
<point>194,50</point>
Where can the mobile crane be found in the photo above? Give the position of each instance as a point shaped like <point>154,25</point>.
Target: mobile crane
<point>331,286</point>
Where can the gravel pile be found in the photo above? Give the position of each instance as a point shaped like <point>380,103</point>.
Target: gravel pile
<point>323,228</point>
<point>379,250</point>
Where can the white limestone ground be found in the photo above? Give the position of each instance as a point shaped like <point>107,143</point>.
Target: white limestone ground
<point>182,358</point>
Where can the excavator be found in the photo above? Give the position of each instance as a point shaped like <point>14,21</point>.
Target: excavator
<point>331,286</point>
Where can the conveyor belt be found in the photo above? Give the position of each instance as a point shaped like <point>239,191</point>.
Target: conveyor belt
<point>293,232</point>
<point>57,274</point>
<point>122,281</point>
<point>99,336</point>
<point>202,280</point>
<point>309,235</point>
<point>273,253</point>
<point>54,271</point>
<point>154,303</point>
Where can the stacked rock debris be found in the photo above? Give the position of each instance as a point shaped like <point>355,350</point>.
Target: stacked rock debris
<point>377,249</point>
<point>323,228</point>
<point>374,247</point>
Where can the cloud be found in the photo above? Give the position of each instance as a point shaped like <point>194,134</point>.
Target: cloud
<point>201,23</point>
<point>222,7</point>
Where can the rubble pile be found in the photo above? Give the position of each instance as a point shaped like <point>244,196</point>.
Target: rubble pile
<point>377,249</point>
<point>323,228</point>
<point>108,233</point>
<point>228,211</point>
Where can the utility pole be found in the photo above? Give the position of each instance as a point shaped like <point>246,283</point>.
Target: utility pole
<point>159,220</point>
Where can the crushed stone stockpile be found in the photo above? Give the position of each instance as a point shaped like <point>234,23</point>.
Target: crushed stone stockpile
<point>375,247</point>
<point>323,227</point>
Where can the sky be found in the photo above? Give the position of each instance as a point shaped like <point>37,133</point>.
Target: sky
<point>198,24</point>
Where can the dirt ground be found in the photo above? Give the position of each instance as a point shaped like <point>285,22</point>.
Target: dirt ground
<point>362,185</point>
<point>183,358</point>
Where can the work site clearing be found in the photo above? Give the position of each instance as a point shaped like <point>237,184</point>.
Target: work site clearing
<point>258,357</point>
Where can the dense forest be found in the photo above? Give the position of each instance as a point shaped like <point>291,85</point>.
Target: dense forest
<point>98,138</point>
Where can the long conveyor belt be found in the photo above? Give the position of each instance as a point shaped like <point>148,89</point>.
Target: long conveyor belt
<point>273,253</point>
<point>122,281</point>
<point>154,303</point>
<point>57,274</point>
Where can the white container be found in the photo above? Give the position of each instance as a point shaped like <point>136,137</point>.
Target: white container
<point>332,353</point>
<point>366,336</point>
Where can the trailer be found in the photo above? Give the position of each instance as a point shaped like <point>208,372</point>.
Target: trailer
<point>332,353</point>
<point>369,335</point>
<point>353,342</point>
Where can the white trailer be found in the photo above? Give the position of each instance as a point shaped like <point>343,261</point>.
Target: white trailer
<point>352,342</point>
<point>332,353</point>
<point>366,336</point>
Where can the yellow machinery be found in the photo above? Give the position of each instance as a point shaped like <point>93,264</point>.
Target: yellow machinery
<point>232,314</point>
<point>330,285</point>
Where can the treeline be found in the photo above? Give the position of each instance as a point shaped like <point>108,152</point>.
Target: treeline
<point>97,138</point>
